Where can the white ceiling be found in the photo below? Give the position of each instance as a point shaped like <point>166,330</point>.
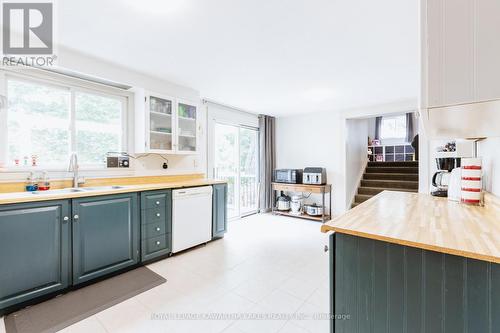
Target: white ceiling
<point>268,56</point>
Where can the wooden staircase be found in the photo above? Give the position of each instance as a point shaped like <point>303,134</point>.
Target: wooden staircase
<point>391,176</point>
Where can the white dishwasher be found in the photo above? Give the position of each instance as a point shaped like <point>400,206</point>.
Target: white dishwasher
<point>191,217</point>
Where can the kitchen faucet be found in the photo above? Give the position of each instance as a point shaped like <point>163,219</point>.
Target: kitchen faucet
<point>73,167</point>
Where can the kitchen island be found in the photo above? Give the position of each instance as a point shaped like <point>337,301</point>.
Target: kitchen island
<point>407,262</point>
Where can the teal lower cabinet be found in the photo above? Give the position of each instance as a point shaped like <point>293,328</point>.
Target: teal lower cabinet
<point>34,250</point>
<point>105,235</point>
<point>383,287</point>
<point>219,211</point>
<point>46,247</point>
<point>156,224</point>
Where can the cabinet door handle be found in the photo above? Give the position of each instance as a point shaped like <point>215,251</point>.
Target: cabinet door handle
<point>66,219</point>
<point>157,203</point>
<point>158,229</point>
<point>76,217</point>
<point>158,214</point>
<point>158,243</point>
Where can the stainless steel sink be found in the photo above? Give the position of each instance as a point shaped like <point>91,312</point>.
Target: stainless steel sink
<point>58,191</point>
<point>102,188</point>
<point>78,190</point>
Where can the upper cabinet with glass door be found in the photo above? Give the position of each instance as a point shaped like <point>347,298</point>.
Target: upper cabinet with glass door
<point>160,123</point>
<point>165,125</point>
<point>187,125</point>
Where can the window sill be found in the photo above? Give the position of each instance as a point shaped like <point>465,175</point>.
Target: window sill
<point>20,174</point>
<point>55,169</point>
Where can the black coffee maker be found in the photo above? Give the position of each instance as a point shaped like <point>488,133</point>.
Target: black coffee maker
<point>441,178</point>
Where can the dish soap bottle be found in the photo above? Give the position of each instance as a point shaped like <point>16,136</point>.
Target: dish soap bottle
<point>44,185</point>
<point>31,185</point>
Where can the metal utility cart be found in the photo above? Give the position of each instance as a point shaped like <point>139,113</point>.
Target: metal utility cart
<point>316,189</point>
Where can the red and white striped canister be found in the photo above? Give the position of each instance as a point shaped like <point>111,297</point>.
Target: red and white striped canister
<point>472,183</point>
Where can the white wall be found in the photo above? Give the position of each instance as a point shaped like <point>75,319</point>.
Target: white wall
<point>356,155</point>
<point>147,165</point>
<point>320,139</point>
<point>489,150</point>
<point>314,140</point>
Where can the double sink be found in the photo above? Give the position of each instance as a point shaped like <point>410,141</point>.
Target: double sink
<point>79,190</point>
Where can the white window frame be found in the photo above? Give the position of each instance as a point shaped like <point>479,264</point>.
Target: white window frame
<point>73,86</point>
<point>384,118</point>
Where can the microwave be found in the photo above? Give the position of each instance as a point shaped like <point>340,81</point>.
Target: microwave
<point>291,176</point>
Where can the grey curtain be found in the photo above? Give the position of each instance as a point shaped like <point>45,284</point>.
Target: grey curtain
<point>267,161</point>
<point>410,129</point>
<point>378,127</point>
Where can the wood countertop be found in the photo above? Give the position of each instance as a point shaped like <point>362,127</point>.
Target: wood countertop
<point>21,197</point>
<point>426,222</point>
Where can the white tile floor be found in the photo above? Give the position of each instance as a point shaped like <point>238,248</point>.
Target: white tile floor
<point>265,265</point>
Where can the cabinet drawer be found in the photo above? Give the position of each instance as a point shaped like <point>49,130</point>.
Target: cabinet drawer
<point>157,215</point>
<point>155,244</point>
<point>152,201</point>
<point>154,229</point>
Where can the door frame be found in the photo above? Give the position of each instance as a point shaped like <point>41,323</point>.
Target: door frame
<point>220,114</point>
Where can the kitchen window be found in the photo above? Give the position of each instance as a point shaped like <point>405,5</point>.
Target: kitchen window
<point>48,121</point>
<point>393,127</point>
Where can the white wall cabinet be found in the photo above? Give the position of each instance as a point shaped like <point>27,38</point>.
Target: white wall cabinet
<point>165,125</point>
<point>461,51</point>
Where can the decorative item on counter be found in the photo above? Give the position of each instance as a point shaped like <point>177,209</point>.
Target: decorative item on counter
<point>31,184</point>
<point>16,162</point>
<point>34,160</point>
<point>375,142</point>
<point>471,181</point>
<point>25,161</point>
<point>44,184</point>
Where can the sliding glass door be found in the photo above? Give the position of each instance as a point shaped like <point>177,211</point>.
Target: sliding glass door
<point>236,161</point>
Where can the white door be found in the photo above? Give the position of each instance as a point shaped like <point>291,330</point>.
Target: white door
<point>236,160</point>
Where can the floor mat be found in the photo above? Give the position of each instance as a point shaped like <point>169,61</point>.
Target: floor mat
<point>70,308</point>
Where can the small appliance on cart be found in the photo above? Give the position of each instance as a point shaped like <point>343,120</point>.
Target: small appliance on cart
<point>309,184</point>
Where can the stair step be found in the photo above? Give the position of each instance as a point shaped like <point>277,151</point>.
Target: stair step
<point>391,176</point>
<point>378,169</point>
<point>354,204</point>
<point>394,164</point>
<point>377,190</point>
<point>359,198</point>
<point>389,184</point>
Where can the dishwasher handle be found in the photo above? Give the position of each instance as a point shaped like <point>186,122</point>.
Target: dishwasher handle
<point>193,192</point>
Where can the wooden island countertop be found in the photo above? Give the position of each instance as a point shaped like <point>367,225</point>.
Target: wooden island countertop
<point>426,222</point>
